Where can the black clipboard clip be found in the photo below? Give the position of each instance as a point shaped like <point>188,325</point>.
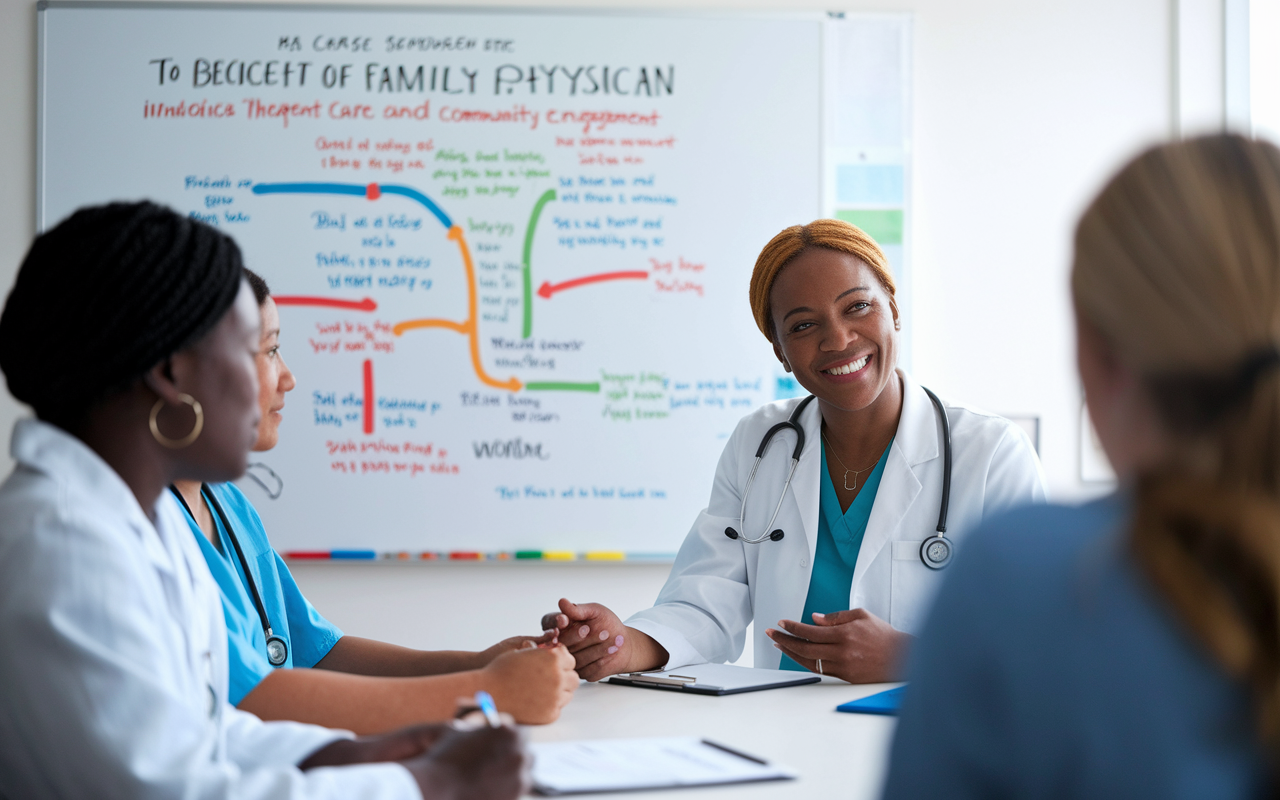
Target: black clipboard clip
<point>660,680</point>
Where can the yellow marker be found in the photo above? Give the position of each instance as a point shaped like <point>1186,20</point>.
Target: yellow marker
<point>559,555</point>
<point>606,555</point>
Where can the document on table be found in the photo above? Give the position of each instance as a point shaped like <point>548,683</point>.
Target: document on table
<point>614,765</point>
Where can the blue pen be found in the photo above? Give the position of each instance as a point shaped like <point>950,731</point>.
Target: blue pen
<point>490,711</point>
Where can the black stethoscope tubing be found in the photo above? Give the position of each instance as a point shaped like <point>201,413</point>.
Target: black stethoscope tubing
<point>935,552</point>
<point>277,648</point>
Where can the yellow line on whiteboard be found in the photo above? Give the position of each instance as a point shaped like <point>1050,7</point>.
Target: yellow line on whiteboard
<point>559,555</point>
<point>606,555</point>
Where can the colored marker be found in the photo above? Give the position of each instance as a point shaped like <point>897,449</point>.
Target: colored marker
<point>559,555</point>
<point>466,556</point>
<point>606,555</point>
<point>308,555</point>
<point>490,711</point>
<point>353,555</point>
<point>528,554</point>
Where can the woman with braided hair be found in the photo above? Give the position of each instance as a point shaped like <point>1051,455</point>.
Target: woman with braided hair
<point>132,332</point>
<point>834,555</point>
<point>1131,647</point>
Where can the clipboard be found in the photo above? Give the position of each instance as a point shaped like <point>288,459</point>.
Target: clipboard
<point>715,679</point>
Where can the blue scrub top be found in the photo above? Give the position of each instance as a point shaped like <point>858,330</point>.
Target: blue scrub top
<point>839,539</point>
<point>1050,666</point>
<point>309,635</point>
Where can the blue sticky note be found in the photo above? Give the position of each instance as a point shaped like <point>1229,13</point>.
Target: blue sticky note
<point>884,703</point>
<point>869,184</point>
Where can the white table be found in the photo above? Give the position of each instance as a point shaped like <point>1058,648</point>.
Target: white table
<point>837,755</point>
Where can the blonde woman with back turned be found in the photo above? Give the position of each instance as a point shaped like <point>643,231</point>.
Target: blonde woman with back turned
<point>1131,647</point>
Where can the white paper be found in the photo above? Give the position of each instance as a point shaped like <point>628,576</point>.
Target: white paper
<point>645,763</point>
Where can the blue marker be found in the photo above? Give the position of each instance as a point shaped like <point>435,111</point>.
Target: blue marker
<point>490,711</point>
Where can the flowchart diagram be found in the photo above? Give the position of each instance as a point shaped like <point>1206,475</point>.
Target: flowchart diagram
<point>511,251</point>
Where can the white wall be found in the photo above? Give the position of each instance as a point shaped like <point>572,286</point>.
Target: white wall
<point>1021,108</point>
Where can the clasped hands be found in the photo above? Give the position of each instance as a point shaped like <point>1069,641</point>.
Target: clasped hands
<point>855,646</point>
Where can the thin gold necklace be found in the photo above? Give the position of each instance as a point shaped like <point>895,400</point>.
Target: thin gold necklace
<point>856,472</point>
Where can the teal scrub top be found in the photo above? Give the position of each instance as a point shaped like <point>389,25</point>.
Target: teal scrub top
<point>839,539</point>
<point>308,635</point>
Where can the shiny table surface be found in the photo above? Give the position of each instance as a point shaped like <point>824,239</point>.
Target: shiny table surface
<point>837,755</point>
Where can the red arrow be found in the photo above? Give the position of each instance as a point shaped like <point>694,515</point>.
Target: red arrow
<point>366,304</point>
<point>547,288</point>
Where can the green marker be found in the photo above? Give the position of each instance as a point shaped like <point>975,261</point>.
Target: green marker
<point>528,554</point>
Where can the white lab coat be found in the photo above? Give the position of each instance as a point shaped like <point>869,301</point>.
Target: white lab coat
<point>113,652</point>
<point>718,586</point>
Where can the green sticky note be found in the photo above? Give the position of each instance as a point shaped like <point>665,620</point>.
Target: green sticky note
<point>882,224</point>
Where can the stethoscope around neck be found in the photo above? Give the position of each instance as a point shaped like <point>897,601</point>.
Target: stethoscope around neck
<point>935,551</point>
<point>277,648</point>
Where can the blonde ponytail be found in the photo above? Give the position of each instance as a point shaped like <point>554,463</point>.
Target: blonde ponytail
<point>1177,265</point>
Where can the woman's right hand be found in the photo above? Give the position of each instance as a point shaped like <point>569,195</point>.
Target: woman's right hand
<point>532,684</point>
<point>601,645</point>
<point>485,764</point>
<point>446,761</point>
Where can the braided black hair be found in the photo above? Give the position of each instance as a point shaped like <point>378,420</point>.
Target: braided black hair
<point>105,296</point>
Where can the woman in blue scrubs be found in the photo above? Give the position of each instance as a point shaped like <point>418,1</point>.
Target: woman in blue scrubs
<point>357,684</point>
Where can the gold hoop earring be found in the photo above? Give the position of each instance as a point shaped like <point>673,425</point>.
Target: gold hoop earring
<point>178,444</point>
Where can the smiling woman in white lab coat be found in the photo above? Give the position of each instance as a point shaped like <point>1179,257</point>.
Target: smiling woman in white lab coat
<point>844,587</point>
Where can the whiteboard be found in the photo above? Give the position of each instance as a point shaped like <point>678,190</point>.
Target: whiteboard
<point>511,249</point>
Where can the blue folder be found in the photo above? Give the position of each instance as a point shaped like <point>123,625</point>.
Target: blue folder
<point>885,703</point>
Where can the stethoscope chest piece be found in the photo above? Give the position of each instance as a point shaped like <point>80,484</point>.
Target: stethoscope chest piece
<point>935,552</point>
<point>277,650</point>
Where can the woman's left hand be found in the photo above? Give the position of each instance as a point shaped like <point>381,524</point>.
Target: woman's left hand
<point>546,640</point>
<point>855,646</point>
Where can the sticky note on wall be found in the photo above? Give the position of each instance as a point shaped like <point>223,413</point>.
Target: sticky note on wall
<point>869,184</point>
<point>882,224</point>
